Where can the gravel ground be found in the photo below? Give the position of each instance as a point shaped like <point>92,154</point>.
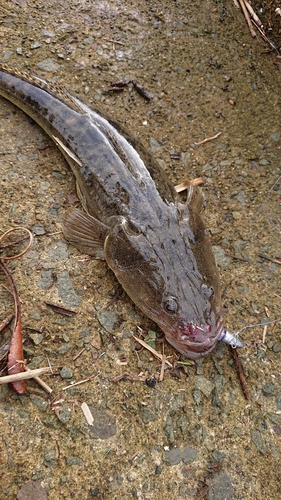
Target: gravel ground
<point>193,435</point>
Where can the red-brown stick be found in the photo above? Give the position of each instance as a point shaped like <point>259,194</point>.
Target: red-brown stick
<point>241,373</point>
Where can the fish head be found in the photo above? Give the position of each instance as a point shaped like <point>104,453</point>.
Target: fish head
<point>168,269</point>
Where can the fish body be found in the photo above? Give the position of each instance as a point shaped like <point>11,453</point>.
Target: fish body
<point>156,245</point>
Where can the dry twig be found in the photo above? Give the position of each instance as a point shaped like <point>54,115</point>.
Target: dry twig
<point>241,373</point>
<point>247,17</point>
<point>39,381</point>
<point>155,353</point>
<point>15,377</point>
<point>185,185</point>
<point>208,139</point>
<point>6,322</point>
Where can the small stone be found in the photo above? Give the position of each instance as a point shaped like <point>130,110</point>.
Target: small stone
<point>278,402</point>
<point>38,229</point>
<point>241,197</point>
<point>8,54</point>
<point>218,456</point>
<point>236,215</point>
<point>35,45</point>
<point>36,338</point>
<point>50,457</point>
<point>264,162</point>
<point>107,319</point>
<point>154,145</point>
<point>95,492</point>
<point>89,40</point>
<point>275,137</point>
<point>204,385</point>
<point>64,414</point>
<point>46,280</point>
<point>58,252</point>
<point>258,441</point>
<point>189,455</point>
<point>35,315</point>
<point>65,289</point>
<point>126,334</point>
<point>222,259</point>
<point>36,361</point>
<point>186,158</point>
<point>269,389</point>
<point>220,487</point>
<point>169,429</point>
<point>64,348</point>
<point>66,372</point>
<point>74,461</point>
<point>197,396</point>
<point>276,348</point>
<point>41,404</point>
<point>43,186</point>
<point>147,415</point>
<point>48,65</point>
<point>174,456</point>
<point>49,34</point>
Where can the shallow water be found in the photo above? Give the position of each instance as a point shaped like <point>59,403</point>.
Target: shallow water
<point>207,75</point>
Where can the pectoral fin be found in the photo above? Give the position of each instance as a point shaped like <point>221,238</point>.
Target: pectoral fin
<point>85,232</point>
<point>69,155</point>
<point>195,198</point>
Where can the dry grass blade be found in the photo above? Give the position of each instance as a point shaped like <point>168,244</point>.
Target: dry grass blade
<point>208,139</point>
<point>155,353</point>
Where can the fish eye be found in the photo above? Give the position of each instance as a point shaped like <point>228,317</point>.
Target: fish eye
<point>171,305</point>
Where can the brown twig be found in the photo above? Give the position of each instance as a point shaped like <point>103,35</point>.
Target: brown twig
<point>269,258</point>
<point>6,322</point>
<point>113,299</point>
<point>17,256</point>
<point>240,373</point>
<point>60,309</point>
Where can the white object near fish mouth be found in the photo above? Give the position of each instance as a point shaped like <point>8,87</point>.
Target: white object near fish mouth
<point>230,338</point>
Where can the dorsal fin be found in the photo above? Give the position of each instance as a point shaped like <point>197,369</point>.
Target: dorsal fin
<point>52,88</point>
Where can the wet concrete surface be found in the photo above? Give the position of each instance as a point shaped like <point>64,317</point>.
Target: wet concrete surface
<point>194,433</point>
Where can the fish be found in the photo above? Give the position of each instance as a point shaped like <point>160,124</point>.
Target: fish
<point>155,243</point>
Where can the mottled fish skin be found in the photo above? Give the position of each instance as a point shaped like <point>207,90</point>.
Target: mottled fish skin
<point>157,246</point>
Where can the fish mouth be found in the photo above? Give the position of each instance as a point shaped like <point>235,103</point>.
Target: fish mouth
<point>195,341</point>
